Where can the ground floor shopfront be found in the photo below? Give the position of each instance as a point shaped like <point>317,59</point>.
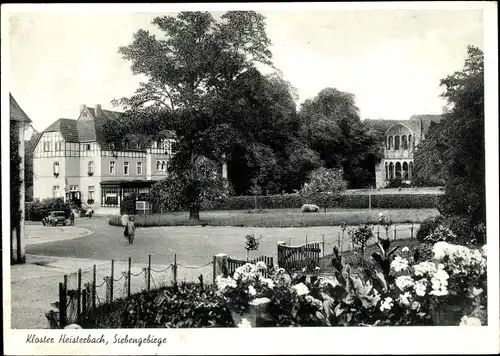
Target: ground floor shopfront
<point>112,194</point>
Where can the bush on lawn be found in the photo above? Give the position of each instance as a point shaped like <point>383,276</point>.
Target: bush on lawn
<point>360,201</point>
<point>37,210</point>
<point>310,208</point>
<point>127,205</point>
<point>182,306</point>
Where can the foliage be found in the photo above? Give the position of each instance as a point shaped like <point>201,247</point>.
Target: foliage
<point>331,125</point>
<point>194,189</point>
<point>348,201</point>
<point>427,226</point>
<point>452,228</point>
<point>127,205</point>
<point>37,210</point>
<point>360,236</point>
<point>458,142</point>
<point>325,186</point>
<point>384,258</point>
<point>181,306</point>
<point>15,179</point>
<point>252,243</point>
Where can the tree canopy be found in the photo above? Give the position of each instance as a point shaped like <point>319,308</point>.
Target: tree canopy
<point>456,146</point>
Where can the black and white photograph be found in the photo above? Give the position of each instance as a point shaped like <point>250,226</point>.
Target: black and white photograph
<point>250,178</point>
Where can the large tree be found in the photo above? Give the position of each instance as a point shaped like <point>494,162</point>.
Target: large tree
<point>191,74</point>
<point>459,140</point>
<point>331,125</point>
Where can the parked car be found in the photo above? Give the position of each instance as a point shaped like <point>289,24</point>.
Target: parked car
<point>55,218</point>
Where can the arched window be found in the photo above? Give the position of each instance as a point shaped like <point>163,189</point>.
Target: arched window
<point>396,143</point>
<point>163,166</point>
<point>409,141</point>
<point>391,146</point>
<point>158,165</point>
<point>410,174</point>
<point>398,170</point>
<point>405,171</point>
<point>386,171</point>
<point>404,142</point>
<point>391,171</point>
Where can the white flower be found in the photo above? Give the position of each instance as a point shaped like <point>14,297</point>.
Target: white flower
<point>223,283</point>
<point>261,265</point>
<point>404,299</point>
<point>403,282</point>
<point>301,289</point>
<point>331,281</point>
<point>484,250</point>
<point>386,304</point>
<point>269,282</point>
<point>251,290</point>
<point>405,249</point>
<point>440,282</point>
<point>399,264</point>
<point>440,249</point>
<point>380,215</point>
<point>244,323</point>
<point>415,305</point>
<point>476,291</point>
<point>317,268</point>
<point>470,321</point>
<point>420,287</point>
<point>313,301</point>
<point>426,267</point>
<point>303,269</point>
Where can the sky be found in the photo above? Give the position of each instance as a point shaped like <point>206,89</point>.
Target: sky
<point>392,61</point>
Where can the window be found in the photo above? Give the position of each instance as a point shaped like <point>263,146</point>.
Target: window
<point>139,168</point>
<point>55,191</point>
<point>158,165</point>
<point>404,142</point>
<point>46,146</point>
<point>125,168</point>
<point>73,188</point>
<point>112,167</point>
<point>161,166</point>
<point>109,196</point>
<point>56,168</point>
<point>86,147</point>
<point>59,146</point>
<point>91,192</point>
<point>91,168</point>
<point>391,146</point>
<point>396,143</point>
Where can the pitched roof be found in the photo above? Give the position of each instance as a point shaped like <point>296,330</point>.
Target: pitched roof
<point>16,113</point>
<point>31,144</point>
<point>99,122</point>
<point>67,128</point>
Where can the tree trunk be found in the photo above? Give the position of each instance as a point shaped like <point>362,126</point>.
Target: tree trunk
<point>194,213</point>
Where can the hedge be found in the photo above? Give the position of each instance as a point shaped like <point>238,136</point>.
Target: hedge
<point>295,201</point>
<point>37,210</point>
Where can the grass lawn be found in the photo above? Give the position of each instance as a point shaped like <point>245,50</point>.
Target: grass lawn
<point>281,217</point>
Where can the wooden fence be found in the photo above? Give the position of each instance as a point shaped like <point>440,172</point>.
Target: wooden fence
<point>233,264</point>
<point>293,258</point>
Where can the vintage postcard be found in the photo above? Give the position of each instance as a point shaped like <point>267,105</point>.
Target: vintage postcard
<point>292,178</point>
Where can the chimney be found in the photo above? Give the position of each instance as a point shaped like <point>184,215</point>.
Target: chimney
<point>98,111</point>
<point>82,107</point>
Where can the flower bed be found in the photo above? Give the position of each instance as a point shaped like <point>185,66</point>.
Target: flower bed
<point>449,289</point>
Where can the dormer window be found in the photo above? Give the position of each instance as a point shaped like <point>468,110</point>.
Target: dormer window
<point>86,147</point>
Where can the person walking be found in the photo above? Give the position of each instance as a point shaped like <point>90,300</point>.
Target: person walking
<point>129,231</point>
<point>72,218</point>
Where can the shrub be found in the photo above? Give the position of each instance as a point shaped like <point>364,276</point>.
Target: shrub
<point>182,306</point>
<point>428,226</point>
<point>127,205</point>
<point>310,208</point>
<point>454,229</point>
<point>37,210</point>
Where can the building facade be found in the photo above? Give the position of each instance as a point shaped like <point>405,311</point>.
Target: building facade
<point>401,139</point>
<point>72,160</point>
<point>19,121</point>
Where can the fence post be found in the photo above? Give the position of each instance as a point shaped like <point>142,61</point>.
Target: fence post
<point>66,282</point>
<point>79,296</point>
<point>395,234</point>
<point>149,273</point>
<point>213,268</point>
<point>411,233</point>
<point>125,282</point>
<point>145,271</point>
<point>306,239</point>
<point>129,276</point>
<point>107,279</point>
<point>111,281</point>
<point>201,283</point>
<point>62,305</point>
<point>94,287</point>
<point>289,241</point>
<point>84,304</point>
<point>323,242</point>
<point>174,268</point>
<point>220,264</point>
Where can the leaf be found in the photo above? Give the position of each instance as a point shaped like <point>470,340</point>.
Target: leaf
<point>377,258</point>
<point>380,278</point>
<point>392,251</point>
